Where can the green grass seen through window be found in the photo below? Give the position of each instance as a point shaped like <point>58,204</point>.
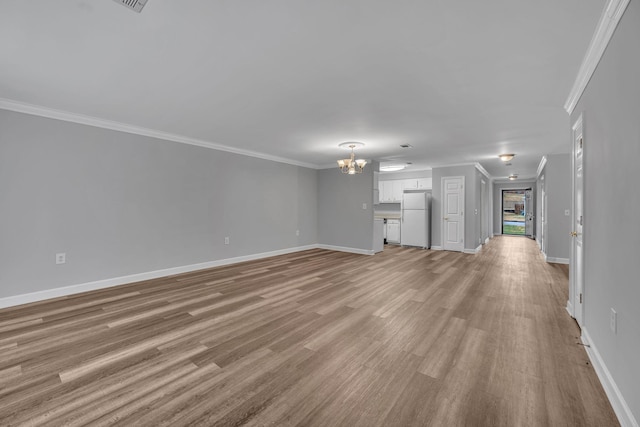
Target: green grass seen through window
<point>513,229</point>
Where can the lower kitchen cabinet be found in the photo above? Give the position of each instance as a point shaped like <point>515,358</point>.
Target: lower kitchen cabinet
<point>393,231</point>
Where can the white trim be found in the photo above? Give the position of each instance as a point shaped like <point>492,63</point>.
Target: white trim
<point>20,107</point>
<point>107,283</point>
<point>555,260</point>
<point>453,165</point>
<point>346,249</point>
<point>543,162</point>
<point>472,251</point>
<point>619,404</point>
<point>483,171</point>
<point>487,240</point>
<point>578,312</point>
<point>436,248</point>
<point>569,308</point>
<point>609,20</point>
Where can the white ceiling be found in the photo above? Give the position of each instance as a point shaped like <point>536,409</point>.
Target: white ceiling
<point>461,81</point>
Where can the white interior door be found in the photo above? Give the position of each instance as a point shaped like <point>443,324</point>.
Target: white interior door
<point>577,266</point>
<point>453,213</point>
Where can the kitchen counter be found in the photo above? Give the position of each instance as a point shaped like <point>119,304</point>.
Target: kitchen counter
<point>386,215</point>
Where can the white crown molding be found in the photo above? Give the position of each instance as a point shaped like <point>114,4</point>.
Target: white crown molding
<point>483,171</point>
<point>617,400</point>
<point>21,107</point>
<point>543,162</point>
<point>606,26</point>
<point>116,281</point>
<point>454,165</point>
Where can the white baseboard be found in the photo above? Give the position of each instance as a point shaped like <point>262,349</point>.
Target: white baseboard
<point>346,249</point>
<point>106,283</point>
<point>620,407</point>
<point>436,248</point>
<point>569,308</point>
<point>554,260</point>
<point>487,240</point>
<point>473,251</point>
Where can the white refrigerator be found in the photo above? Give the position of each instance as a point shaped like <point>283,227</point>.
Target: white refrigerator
<point>415,225</point>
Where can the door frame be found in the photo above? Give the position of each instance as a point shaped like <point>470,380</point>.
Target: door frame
<point>576,309</point>
<point>502,190</point>
<point>442,210</point>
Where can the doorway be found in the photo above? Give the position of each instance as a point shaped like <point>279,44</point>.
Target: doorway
<point>514,212</point>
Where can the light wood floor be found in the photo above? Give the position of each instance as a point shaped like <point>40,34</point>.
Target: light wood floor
<point>317,338</point>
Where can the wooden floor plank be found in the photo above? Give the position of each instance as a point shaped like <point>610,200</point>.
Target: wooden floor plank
<point>407,337</point>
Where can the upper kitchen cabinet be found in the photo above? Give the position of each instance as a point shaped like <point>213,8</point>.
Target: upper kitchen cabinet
<point>425,183</point>
<point>390,191</point>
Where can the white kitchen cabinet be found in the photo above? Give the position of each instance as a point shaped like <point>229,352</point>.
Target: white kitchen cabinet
<point>385,189</point>
<point>425,183</point>
<point>396,189</point>
<point>393,231</point>
<point>410,184</point>
<point>390,191</point>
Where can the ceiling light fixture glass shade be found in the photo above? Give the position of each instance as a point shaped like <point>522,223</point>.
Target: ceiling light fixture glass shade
<point>351,166</point>
<point>392,168</point>
<point>513,177</point>
<point>506,157</point>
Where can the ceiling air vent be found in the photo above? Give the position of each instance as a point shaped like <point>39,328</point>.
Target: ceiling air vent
<point>136,5</point>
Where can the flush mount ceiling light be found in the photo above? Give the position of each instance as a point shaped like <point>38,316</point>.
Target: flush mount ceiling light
<point>392,168</point>
<point>351,166</point>
<point>506,157</point>
<point>513,177</point>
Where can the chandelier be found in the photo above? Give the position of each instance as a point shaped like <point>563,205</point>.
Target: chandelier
<point>351,166</point>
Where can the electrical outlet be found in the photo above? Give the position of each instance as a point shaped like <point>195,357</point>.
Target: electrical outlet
<point>364,206</point>
<point>297,232</point>
<point>226,240</point>
<point>61,258</point>
<point>567,212</point>
<point>613,321</point>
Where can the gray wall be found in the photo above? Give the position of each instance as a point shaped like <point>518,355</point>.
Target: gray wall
<point>497,199</point>
<point>557,184</point>
<point>611,108</point>
<point>121,204</point>
<point>341,219</point>
<point>471,202</point>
